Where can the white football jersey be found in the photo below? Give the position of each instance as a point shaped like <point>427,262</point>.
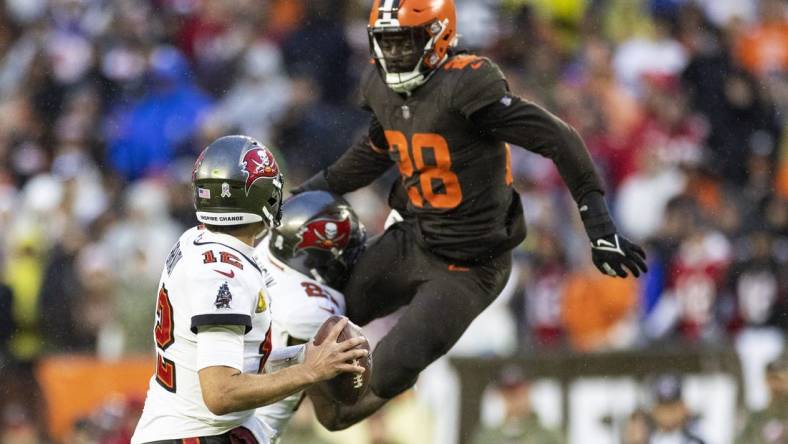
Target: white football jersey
<point>299,306</point>
<point>208,279</point>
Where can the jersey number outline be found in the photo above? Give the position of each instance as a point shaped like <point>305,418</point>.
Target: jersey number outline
<point>165,373</point>
<point>208,257</point>
<point>265,350</point>
<point>164,334</point>
<point>164,330</point>
<point>316,291</point>
<point>441,171</point>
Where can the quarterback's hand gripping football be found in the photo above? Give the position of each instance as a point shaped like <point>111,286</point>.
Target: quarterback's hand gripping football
<point>331,358</point>
<point>614,255</point>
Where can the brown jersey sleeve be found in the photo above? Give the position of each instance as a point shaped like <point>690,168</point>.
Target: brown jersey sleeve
<point>530,126</point>
<point>479,83</point>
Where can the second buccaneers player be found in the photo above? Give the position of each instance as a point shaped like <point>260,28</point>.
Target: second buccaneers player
<point>444,118</point>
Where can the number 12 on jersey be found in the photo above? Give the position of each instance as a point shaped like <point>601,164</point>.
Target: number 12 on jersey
<point>164,333</point>
<point>428,174</point>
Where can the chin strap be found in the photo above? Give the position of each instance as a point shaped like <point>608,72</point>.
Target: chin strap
<point>407,86</point>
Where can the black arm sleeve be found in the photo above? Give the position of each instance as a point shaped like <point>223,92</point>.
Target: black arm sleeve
<point>362,163</point>
<point>528,125</point>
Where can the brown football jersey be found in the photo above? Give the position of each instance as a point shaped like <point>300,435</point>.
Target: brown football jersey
<point>457,180</point>
<point>448,140</point>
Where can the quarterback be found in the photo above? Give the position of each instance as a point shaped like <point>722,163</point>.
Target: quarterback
<point>308,256</point>
<point>212,330</point>
<point>444,118</point>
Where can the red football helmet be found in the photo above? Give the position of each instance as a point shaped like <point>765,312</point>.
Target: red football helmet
<point>409,39</point>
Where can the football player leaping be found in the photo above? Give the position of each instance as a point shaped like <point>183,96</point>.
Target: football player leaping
<point>212,332</point>
<point>308,256</point>
<point>444,119</point>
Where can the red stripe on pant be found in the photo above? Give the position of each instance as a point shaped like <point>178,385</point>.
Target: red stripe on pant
<point>242,435</point>
<point>190,441</point>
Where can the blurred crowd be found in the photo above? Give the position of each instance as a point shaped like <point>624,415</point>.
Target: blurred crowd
<point>105,103</point>
<point>685,115</point>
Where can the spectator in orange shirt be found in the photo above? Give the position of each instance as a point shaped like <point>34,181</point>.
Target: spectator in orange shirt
<point>763,49</point>
<point>599,311</point>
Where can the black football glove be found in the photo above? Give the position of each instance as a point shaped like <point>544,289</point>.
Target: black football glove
<point>316,182</point>
<point>614,255</point>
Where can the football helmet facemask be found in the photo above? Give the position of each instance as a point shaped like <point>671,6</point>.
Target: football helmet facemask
<point>410,39</point>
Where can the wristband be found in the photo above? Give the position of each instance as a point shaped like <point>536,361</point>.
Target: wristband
<point>595,216</point>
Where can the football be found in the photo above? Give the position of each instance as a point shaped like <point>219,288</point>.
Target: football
<point>346,388</point>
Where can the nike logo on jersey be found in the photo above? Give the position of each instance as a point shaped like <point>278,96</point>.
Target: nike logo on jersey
<point>231,274</point>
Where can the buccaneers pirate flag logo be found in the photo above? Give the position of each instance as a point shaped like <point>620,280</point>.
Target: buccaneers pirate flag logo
<point>325,234</point>
<point>258,163</point>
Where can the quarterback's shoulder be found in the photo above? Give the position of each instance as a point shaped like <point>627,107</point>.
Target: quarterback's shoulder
<point>214,250</point>
<point>208,263</point>
<point>176,253</point>
<point>218,294</point>
<point>191,234</point>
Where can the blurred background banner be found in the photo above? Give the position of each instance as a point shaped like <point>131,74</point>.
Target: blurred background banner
<point>104,105</point>
<point>73,386</point>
